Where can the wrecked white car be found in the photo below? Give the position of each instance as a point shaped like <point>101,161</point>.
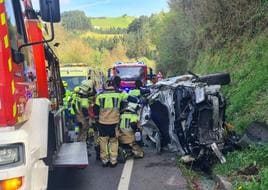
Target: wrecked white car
<point>186,114</point>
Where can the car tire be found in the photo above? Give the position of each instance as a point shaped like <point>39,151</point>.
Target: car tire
<point>216,79</point>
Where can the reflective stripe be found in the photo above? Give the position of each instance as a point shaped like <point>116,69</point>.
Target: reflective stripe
<point>102,102</point>
<point>115,102</point>
<point>6,41</point>
<point>9,64</point>
<point>107,150</point>
<point>126,119</point>
<point>14,109</point>
<point>127,123</point>
<point>109,100</point>
<point>13,87</point>
<point>3,19</point>
<point>39,25</point>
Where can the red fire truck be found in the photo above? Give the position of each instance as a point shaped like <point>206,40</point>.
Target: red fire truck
<point>32,132</point>
<point>130,72</point>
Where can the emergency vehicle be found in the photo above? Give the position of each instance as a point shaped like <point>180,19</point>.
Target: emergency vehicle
<point>32,132</point>
<point>130,72</point>
<point>74,73</point>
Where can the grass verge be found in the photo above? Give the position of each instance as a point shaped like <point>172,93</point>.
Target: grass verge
<point>247,169</point>
<point>247,96</point>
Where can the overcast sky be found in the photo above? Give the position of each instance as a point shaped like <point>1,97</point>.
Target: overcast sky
<point>97,8</point>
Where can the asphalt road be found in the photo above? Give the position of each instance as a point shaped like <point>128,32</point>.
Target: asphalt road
<point>153,172</point>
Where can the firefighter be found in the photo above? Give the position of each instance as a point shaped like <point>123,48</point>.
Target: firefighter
<point>139,92</point>
<point>75,99</point>
<point>84,98</point>
<point>67,95</point>
<point>67,104</point>
<point>136,92</point>
<point>107,108</point>
<point>130,130</point>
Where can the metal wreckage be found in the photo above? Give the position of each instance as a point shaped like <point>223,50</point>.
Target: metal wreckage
<point>186,114</point>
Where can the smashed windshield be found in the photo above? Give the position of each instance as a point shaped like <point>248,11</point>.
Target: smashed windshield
<point>130,73</point>
<point>73,81</point>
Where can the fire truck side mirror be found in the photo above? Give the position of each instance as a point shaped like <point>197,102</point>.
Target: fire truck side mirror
<point>109,72</point>
<point>50,10</point>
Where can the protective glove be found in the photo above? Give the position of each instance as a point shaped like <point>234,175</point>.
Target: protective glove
<point>133,126</point>
<point>137,136</point>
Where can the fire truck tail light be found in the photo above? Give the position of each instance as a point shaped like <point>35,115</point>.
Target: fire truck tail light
<point>11,184</point>
<point>11,154</point>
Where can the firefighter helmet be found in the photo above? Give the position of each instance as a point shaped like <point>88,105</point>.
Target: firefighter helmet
<point>65,84</point>
<point>131,107</point>
<point>76,89</point>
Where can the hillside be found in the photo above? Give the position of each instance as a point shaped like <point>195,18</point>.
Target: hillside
<point>98,36</point>
<point>112,22</point>
<point>247,62</point>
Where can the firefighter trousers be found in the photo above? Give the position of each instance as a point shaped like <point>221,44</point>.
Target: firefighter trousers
<point>108,144</point>
<point>84,125</point>
<point>136,150</point>
<point>108,149</point>
<point>129,139</point>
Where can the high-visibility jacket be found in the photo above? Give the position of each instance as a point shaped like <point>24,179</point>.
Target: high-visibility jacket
<point>126,119</point>
<point>71,101</point>
<point>135,93</point>
<point>84,101</point>
<point>109,102</point>
<point>81,101</point>
<point>76,102</point>
<point>66,99</point>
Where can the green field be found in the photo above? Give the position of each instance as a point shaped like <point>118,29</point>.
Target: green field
<point>112,22</point>
<point>98,36</point>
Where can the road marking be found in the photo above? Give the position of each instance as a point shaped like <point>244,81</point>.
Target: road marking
<point>126,174</point>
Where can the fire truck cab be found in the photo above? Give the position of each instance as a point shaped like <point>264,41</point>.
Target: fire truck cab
<point>130,72</point>
<point>31,117</point>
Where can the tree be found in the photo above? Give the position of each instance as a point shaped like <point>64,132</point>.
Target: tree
<point>76,20</point>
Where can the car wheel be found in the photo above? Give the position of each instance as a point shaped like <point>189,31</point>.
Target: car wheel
<point>216,79</point>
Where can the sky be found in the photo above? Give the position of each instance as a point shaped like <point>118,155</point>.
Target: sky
<point>112,8</point>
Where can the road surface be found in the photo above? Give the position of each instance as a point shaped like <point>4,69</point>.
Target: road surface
<point>153,172</point>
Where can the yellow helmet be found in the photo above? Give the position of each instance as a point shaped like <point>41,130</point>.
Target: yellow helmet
<point>65,84</point>
<point>76,89</point>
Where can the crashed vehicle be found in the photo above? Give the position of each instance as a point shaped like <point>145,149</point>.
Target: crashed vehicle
<point>186,114</point>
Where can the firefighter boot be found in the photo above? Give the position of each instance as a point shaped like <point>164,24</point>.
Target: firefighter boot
<point>137,150</point>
